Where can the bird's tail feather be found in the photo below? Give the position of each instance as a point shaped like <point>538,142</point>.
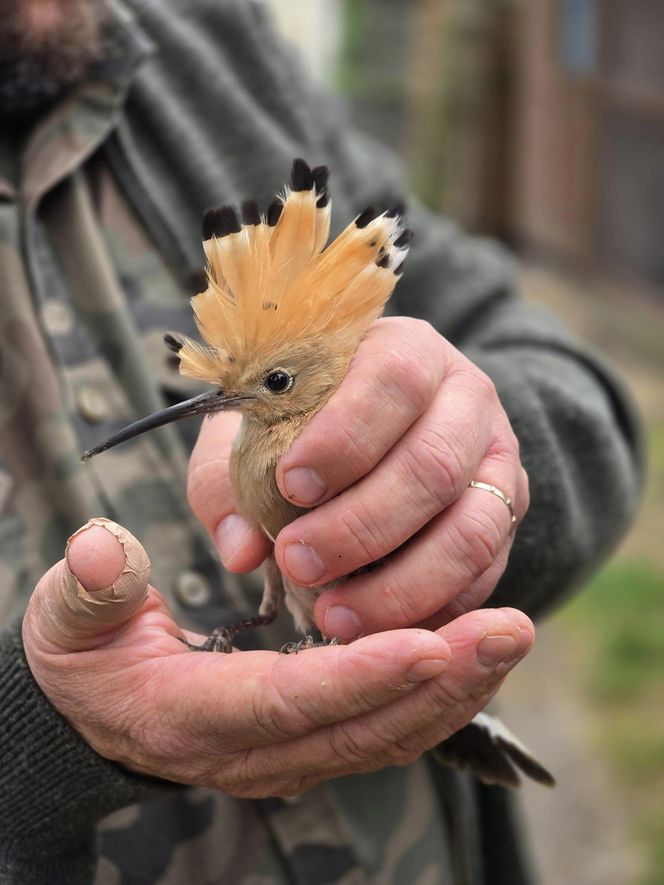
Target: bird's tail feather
<point>489,750</point>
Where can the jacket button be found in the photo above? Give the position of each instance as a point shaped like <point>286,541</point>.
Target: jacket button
<point>192,589</point>
<point>91,404</point>
<point>58,318</point>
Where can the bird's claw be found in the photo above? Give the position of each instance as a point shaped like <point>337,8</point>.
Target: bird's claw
<point>292,648</point>
<point>220,640</point>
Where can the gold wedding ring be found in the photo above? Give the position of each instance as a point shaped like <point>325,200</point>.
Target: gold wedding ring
<point>485,486</point>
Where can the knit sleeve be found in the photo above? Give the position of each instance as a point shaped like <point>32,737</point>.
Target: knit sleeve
<point>54,788</point>
<point>579,435</point>
<point>578,430</point>
<point>577,427</point>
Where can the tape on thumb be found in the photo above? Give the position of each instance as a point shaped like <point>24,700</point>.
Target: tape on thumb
<point>117,602</point>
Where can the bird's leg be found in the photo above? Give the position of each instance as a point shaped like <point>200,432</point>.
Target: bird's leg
<point>221,638</point>
<point>292,648</point>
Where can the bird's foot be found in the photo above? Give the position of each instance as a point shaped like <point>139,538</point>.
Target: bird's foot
<point>221,638</point>
<point>292,648</point>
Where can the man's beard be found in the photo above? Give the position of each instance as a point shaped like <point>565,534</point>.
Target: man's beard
<point>46,48</point>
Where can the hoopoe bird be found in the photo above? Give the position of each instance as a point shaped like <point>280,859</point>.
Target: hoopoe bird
<point>281,318</point>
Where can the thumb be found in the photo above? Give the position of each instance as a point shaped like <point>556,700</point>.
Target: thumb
<point>99,585</point>
<point>241,545</point>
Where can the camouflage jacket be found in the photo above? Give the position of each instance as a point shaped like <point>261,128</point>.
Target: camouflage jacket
<point>100,206</point>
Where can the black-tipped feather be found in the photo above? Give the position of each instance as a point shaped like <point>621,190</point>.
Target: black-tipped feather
<point>527,764</point>
<point>323,200</point>
<point>250,213</point>
<point>172,342</point>
<point>491,757</point>
<point>302,178</point>
<point>364,218</point>
<point>384,260</point>
<point>399,209</point>
<point>404,239</point>
<point>220,222</point>
<point>321,175</point>
<point>211,224</point>
<point>230,221</point>
<point>274,211</point>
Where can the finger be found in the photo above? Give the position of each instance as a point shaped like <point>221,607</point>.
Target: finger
<point>485,646</point>
<point>474,596</point>
<point>95,590</point>
<point>241,545</point>
<point>397,369</point>
<point>274,697</point>
<point>421,476</point>
<point>443,560</point>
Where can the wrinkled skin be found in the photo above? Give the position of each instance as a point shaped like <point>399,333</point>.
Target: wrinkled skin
<point>393,452</point>
<point>255,723</point>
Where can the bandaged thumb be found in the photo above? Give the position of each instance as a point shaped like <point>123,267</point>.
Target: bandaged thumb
<point>99,585</point>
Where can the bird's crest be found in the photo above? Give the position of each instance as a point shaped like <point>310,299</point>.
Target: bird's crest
<point>272,281</point>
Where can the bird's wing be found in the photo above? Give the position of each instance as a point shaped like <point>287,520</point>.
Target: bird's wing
<point>489,750</point>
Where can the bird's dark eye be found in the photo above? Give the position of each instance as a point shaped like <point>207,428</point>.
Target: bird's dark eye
<point>278,381</point>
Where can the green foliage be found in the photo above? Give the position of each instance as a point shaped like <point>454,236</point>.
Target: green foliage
<point>619,622</point>
<point>624,609</point>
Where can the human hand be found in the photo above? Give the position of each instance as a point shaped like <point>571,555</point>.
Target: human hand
<point>386,463</point>
<point>250,723</point>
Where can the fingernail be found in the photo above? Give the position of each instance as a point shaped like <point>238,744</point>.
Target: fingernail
<point>341,622</point>
<point>303,564</point>
<point>304,485</point>
<point>92,557</point>
<point>230,534</point>
<point>98,562</point>
<point>425,669</point>
<point>494,650</point>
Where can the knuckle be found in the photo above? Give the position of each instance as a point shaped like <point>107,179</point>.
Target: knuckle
<point>271,713</point>
<point>485,386</point>
<point>405,376</point>
<point>362,533</point>
<point>369,747</point>
<point>398,602</point>
<point>343,444</point>
<point>435,466</point>
<point>346,747</point>
<point>402,753</point>
<point>421,331</point>
<point>280,712</point>
<point>448,694</point>
<point>478,538</point>
<point>238,776</point>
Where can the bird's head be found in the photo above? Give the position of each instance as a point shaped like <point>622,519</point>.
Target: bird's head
<point>282,315</point>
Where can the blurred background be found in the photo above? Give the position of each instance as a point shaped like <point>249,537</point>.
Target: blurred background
<point>541,122</point>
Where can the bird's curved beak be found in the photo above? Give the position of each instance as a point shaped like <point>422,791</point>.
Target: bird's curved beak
<point>203,404</point>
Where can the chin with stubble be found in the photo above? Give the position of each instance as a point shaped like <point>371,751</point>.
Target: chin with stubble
<point>46,48</point>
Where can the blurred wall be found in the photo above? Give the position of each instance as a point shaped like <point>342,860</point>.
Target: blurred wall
<point>539,121</point>
<point>589,132</point>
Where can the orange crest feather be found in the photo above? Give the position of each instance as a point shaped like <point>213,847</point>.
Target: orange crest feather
<point>271,282</point>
